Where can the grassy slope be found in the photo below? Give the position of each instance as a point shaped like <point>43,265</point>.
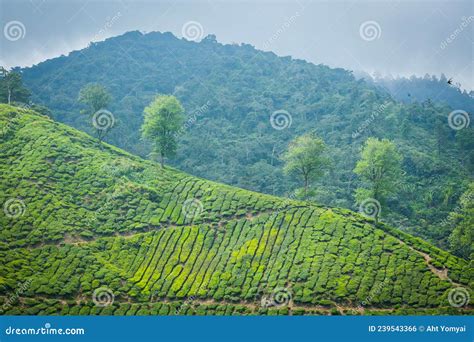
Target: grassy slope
<point>98,216</point>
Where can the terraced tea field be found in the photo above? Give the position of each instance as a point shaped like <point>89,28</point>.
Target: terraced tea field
<point>90,229</point>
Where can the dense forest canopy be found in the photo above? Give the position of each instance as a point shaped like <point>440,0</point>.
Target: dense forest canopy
<point>231,94</point>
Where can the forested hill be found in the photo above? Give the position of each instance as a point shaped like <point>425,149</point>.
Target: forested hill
<point>230,93</point>
<point>88,228</point>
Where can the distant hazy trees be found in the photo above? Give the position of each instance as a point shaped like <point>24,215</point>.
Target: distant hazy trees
<point>379,169</point>
<point>11,87</point>
<point>163,118</point>
<point>305,158</point>
<point>97,98</point>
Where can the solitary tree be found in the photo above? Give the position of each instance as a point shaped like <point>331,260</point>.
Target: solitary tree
<point>379,169</point>
<point>11,87</point>
<point>97,98</point>
<point>163,118</point>
<point>305,158</point>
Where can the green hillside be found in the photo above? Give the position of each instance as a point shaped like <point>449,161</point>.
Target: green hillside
<point>90,229</point>
<point>230,91</point>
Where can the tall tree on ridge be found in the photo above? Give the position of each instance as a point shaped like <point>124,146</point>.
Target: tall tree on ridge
<point>305,158</point>
<point>163,118</point>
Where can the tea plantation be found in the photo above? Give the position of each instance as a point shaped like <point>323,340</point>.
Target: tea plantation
<point>89,229</point>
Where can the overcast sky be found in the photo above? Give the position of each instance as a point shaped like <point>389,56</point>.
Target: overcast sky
<point>396,37</point>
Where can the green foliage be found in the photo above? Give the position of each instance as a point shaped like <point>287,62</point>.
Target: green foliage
<point>95,97</point>
<point>461,238</point>
<point>305,159</point>
<point>12,88</point>
<point>379,169</point>
<point>163,119</point>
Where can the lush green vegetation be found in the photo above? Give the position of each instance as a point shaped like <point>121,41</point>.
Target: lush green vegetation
<point>89,216</point>
<point>97,98</point>
<point>230,93</point>
<point>380,170</point>
<point>11,87</point>
<point>305,159</point>
<point>462,220</point>
<point>164,117</point>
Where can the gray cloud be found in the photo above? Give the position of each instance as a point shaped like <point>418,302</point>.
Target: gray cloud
<point>411,37</point>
